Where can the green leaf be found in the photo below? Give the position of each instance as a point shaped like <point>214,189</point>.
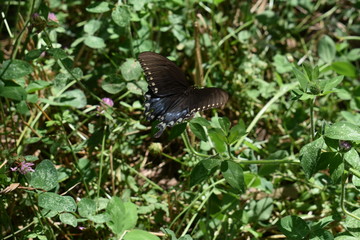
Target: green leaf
<point>68,218</point>
<point>201,121</point>
<point>326,49</point>
<point>74,98</point>
<point>352,224</point>
<point>344,68</point>
<point>121,16</point>
<point>343,131</point>
<point>99,7</point>
<point>202,170</point>
<point>310,155</point>
<point>37,85</point>
<point>177,130</point>
<point>302,78</point>
<point>236,132</point>
<point>94,42</point>
<point>99,218</point>
<point>33,54</point>
<point>92,26</point>
<point>199,131</point>
<point>293,227</point>
<point>77,73</point>
<point>352,158</point>
<point>263,209</point>
<point>57,53</point>
<point>281,64</point>
<point>45,176</point>
<point>123,215</point>
<point>55,202</point>
<point>14,69</point>
<point>133,88</point>
<point>130,69</point>
<point>336,167</point>
<point>113,84</point>
<point>233,175</point>
<point>13,92</point>
<point>354,54</point>
<point>140,234</point>
<point>218,138</point>
<point>86,207</point>
<point>22,107</point>
<point>332,83</point>
<point>225,124</point>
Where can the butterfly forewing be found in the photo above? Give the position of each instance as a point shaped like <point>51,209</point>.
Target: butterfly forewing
<point>163,76</point>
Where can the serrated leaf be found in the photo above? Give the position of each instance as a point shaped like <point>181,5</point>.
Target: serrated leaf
<point>225,124</point>
<point>301,77</point>
<point>233,175</point>
<point>202,170</point>
<point>336,167</point>
<point>343,131</point>
<point>310,155</point>
<point>293,227</point>
<point>201,121</point>
<point>352,158</point>
<point>236,132</point>
<point>13,92</point>
<point>199,131</point>
<point>218,138</point>
<point>57,53</point>
<point>332,83</point>
<point>352,224</point>
<point>37,85</point>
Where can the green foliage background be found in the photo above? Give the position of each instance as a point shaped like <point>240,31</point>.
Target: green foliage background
<point>279,160</point>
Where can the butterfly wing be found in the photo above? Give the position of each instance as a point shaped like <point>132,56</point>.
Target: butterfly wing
<point>175,109</point>
<point>163,76</point>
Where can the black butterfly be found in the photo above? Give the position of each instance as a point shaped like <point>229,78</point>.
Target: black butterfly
<point>171,99</point>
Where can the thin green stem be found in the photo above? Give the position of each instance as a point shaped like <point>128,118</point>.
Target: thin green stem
<point>312,120</point>
<point>145,178</point>
<point>19,37</point>
<point>188,146</point>
<point>269,161</point>
<point>101,161</point>
<point>342,198</point>
<point>204,200</point>
<point>195,200</point>
<point>283,90</point>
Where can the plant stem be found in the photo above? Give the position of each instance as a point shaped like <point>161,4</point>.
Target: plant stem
<point>312,128</point>
<point>285,88</point>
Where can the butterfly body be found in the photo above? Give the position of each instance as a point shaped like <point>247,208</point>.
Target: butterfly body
<point>171,99</point>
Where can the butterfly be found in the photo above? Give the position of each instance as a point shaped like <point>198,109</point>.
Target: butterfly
<point>171,98</point>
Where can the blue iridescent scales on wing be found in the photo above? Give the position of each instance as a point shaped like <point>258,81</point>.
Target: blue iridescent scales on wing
<point>170,98</point>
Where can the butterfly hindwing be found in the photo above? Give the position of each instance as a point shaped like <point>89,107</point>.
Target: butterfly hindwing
<point>170,98</point>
